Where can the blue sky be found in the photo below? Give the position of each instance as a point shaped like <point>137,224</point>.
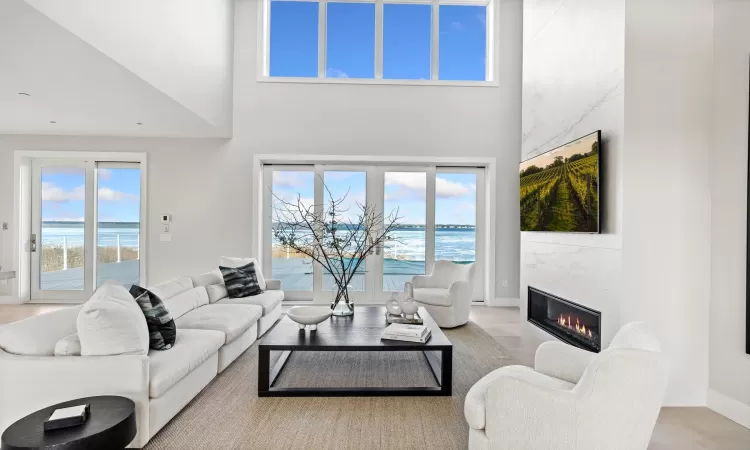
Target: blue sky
<point>405,191</point>
<point>351,40</point>
<point>63,193</point>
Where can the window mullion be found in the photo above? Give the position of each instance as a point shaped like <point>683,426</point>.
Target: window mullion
<point>435,47</point>
<point>379,39</point>
<point>322,37</point>
<point>90,228</point>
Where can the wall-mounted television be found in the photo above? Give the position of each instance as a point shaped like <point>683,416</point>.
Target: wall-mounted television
<point>560,188</point>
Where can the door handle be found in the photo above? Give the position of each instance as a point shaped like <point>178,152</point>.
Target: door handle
<point>32,243</point>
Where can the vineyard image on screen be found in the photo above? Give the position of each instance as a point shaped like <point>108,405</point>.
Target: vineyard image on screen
<point>560,188</point>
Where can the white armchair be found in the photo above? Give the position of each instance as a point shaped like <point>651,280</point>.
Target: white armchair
<point>573,399</point>
<point>446,292</point>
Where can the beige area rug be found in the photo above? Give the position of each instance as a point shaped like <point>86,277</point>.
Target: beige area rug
<point>229,415</point>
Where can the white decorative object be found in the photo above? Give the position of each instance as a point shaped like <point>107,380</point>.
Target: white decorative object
<point>408,290</point>
<point>309,315</point>
<point>446,292</point>
<point>409,307</point>
<point>393,305</point>
<point>573,398</point>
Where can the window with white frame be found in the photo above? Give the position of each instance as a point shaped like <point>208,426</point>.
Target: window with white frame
<point>413,41</point>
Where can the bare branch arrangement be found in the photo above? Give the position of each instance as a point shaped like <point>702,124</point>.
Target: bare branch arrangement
<point>338,241</point>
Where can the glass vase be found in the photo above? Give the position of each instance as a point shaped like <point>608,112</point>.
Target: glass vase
<point>341,304</point>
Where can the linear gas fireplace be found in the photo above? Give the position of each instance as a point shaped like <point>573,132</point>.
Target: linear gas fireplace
<point>570,322</point>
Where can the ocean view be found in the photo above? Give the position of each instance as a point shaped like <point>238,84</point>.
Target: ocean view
<point>403,258</point>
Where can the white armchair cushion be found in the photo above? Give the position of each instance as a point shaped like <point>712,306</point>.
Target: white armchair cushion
<point>112,323</point>
<point>433,296</point>
<point>229,261</point>
<point>562,361</point>
<point>475,406</point>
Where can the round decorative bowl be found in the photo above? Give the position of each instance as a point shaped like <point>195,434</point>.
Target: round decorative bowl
<point>309,315</point>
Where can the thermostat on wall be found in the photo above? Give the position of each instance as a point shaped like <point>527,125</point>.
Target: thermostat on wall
<point>166,218</point>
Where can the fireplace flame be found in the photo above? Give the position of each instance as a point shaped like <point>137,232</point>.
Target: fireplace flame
<point>567,322</point>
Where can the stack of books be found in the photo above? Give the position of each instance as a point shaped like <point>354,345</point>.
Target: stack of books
<point>406,332</point>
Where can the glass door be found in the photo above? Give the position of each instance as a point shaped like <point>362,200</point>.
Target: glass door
<point>403,194</point>
<point>434,213</point>
<point>62,232</point>
<point>86,227</point>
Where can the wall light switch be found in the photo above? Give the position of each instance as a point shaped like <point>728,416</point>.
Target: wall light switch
<point>5,226</point>
<point>165,228</point>
<point>165,237</point>
<point>505,283</point>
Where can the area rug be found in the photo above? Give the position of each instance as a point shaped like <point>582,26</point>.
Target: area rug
<point>229,415</point>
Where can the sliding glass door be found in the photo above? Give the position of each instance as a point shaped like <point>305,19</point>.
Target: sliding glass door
<point>433,211</point>
<point>86,227</point>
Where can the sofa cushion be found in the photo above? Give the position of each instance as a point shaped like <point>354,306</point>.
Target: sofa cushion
<point>268,300</point>
<point>171,288</point>
<point>241,281</point>
<point>475,405</point>
<point>161,328</point>
<point>191,349</point>
<point>187,301</point>
<point>111,323</point>
<point>232,320</point>
<point>216,292</point>
<point>229,261</point>
<point>70,345</point>
<point>433,296</point>
<point>38,335</point>
<point>208,278</point>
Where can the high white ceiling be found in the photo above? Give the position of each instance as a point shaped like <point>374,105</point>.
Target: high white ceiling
<point>97,67</point>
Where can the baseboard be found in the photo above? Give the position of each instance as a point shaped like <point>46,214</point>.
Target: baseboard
<point>729,408</point>
<point>504,302</point>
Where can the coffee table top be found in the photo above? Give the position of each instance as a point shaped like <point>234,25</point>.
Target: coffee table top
<point>360,332</point>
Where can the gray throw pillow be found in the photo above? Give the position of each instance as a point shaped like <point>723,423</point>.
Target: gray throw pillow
<point>240,281</point>
<point>162,331</point>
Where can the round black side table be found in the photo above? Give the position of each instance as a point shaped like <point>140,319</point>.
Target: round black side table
<point>111,424</point>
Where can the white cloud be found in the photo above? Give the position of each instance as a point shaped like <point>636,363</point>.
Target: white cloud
<point>109,195</point>
<point>288,179</point>
<point>53,193</point>
<point>336,73</point>
<point>414,185</point>
<point>56,194</point>
<point>104,174</point>
<point>64,219</point>
<point>457,26</point>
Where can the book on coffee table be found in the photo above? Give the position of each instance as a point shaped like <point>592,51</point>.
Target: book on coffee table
<point>406,332</point>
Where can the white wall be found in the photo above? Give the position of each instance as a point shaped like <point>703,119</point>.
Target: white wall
<point>181,47</point>
<point>207,185</point>
<point>572,86</point>
<point>729,374</point>
<point>666,221</point>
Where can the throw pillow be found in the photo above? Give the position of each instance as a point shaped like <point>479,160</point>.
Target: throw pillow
<point>240,281</point>
<point>229,261</point>
<point>162,331</point>
<point>111,323</point>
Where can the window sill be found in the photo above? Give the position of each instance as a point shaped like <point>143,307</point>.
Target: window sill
<point>367,81</point>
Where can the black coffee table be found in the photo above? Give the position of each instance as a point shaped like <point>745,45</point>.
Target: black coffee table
<point>111,424</point>
<point>358,333</point>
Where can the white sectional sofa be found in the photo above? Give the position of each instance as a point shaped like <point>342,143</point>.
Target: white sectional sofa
<point>212,331</point>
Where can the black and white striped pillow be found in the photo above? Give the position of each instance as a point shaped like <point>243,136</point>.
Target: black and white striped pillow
<point>241,281</point>
<point>161,327</point>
